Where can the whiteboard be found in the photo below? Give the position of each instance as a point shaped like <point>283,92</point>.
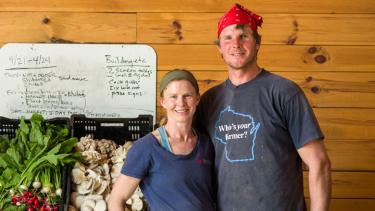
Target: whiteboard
<point>58,80</point>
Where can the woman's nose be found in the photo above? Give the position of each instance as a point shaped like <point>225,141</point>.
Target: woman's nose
<point>180,101</point>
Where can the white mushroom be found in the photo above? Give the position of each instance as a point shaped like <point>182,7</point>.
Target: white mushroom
<point>137,204</point>
<point>103,162</point>
<point>77,199</point>
<point>129,201</point>
<point>72,208</point>
<point>78,175</point>
<point>91,174</point>
<point>116,171</point>
<point>138,192</point>
<point>86,144</point>
<point>99,169</point>
<point>88,205</point>
<point>94,197</point>
<point>100,205</point>
<point>103,187</point>
<point>85,187</point>
<point>86,208</point>
<point>128,145</point>
<point>97,185</point>
<point>93,157</point>
<point>80,166</point>
<point>106,147</point>
<point>119,155</point>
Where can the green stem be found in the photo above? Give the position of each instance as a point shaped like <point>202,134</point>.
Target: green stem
<point>3,194</point>
<point>31,163</point>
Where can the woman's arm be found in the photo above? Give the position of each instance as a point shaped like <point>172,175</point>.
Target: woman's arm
<point>122,190</point>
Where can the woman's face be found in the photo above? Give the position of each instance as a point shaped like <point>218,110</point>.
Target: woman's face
<point>180,101</point>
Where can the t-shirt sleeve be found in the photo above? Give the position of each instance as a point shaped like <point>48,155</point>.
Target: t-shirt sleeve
<point>302,123</point>
<point>137,161</point>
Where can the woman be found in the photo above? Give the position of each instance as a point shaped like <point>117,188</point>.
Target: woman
<point>174,164</point>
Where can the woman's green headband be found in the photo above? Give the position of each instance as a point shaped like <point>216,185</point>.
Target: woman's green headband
<point>178,75</point>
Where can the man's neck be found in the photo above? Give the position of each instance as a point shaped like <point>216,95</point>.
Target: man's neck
<point>238,77</point>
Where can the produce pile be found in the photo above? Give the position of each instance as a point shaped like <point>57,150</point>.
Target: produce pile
<point>31,165</point>
<point>95,175</point>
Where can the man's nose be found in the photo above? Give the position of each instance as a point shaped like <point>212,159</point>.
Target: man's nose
<point>236,42</point>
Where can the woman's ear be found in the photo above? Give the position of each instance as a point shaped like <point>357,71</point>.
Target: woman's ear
<point>162,102</point>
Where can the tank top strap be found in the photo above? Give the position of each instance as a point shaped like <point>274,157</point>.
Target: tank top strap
<point>164,138</point>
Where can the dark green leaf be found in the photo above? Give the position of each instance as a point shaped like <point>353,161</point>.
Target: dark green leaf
<point>8,161</point>
<point>24,127</point>
<point>3,163</point>
<point>46,140</point>
<point>15,156</point>
<point>4,144</point>
<point>35,149</point>
<point>68,145</point>
<point>11,176</point>
<point>37,118</point>
<point>55,150</point>
<point>36,135</point>
<point>51,158</point>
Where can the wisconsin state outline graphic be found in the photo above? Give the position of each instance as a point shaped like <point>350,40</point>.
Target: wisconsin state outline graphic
<point>237,131</point>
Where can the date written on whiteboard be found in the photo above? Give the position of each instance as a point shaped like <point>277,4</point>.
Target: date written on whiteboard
<point>25,61</point>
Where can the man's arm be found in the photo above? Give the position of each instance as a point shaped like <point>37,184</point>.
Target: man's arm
<point>121,192</point>
<point>315,157</point>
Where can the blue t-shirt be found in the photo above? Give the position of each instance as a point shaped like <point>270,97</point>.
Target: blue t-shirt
<point>257,128</point>
<point>173,182</point>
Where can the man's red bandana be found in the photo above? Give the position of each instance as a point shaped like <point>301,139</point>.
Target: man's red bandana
<point>239,15</point>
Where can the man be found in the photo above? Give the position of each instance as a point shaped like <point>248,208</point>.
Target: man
<point>261,126</point>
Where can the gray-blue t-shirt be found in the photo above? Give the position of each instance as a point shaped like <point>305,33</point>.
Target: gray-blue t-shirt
<point>256,129</point>
<point>173,182</point>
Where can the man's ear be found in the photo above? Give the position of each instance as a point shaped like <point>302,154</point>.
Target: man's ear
<point>198,99</point>
<point>219,49</point>
<point>257,47</point>
<point>217,43</point>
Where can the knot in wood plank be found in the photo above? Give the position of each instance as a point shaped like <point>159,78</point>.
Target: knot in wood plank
<point>45,20</point>
<point>315,89</point>
<point>320,59</point>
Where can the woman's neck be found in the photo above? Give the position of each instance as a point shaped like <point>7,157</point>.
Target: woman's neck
<point>179,132</point>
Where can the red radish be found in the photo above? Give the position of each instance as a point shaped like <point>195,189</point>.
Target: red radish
<point>44,208</point>
<point>15,199</point>
<point>24,199</point>
<point>36,204</point>
<point>30,202</point>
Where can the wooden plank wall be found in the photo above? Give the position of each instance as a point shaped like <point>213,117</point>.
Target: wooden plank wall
<point>327,47</point>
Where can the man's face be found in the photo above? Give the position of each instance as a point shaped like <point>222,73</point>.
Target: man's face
<point>238,47</point>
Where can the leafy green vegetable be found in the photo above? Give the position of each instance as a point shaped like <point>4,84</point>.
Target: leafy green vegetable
<point>39,151</point>
<point>4,144</point>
